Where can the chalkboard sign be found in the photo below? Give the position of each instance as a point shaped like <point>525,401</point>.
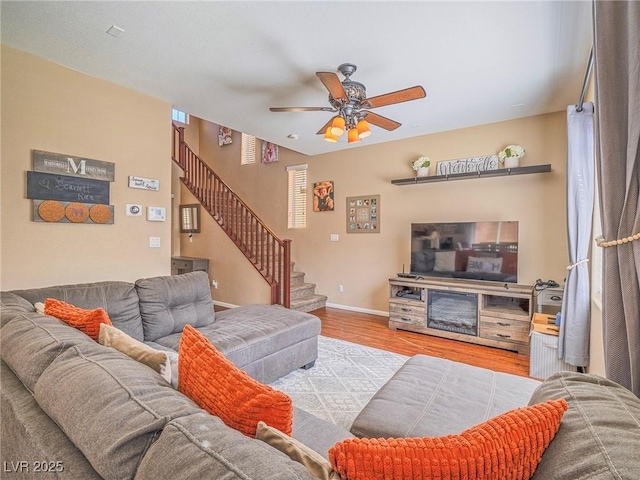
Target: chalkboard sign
<point>45,186</point>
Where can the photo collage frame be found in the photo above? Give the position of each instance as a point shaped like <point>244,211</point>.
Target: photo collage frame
<point>363,214</point>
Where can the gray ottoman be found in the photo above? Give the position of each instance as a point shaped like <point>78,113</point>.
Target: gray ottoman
<point>430,396</point>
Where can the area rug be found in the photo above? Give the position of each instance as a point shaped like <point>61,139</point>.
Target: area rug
<point>343,380</point>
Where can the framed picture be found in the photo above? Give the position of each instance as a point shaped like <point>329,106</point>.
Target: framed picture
<point>269,152</point>
<point>224,136</point>
<point>363,214</point>
<point>323,196</point>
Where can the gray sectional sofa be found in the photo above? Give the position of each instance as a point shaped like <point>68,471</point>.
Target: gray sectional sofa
<point>77,409</point>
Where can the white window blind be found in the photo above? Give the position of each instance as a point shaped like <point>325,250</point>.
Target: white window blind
<point>248,150</point>
<point>297,196</point>
<point>179,116</point>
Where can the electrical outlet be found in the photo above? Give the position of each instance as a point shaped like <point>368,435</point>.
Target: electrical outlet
<point>340,289</point>
<point>214,283</point>
<point>334,237</point>
<point>154,242</point>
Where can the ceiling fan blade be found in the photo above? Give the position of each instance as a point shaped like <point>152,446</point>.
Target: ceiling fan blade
<point>382,122</point>
<point>412,93</point>
<point>302,109</point>
<point>332,83</point>
<point>323,130</point>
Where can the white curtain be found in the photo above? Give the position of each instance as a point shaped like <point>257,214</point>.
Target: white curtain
<point>575,326</point>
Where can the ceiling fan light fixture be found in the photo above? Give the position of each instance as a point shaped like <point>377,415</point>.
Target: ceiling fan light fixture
<point>337,126</point>
<point>363,129</point>
<point>330,137</point>
<point>353,136</point>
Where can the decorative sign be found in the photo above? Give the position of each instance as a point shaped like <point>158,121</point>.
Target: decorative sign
<point>465,165</point>
<point>60,164</point>
<point>71,212</point>
<point>363,214</point>
<point>323,196</point>
<point>224,136</point>
<point>269,152</point>
<point>144,183</point>
<point>45,186</point>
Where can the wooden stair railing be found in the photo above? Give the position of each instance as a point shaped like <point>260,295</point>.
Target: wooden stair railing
<point>270,255</point>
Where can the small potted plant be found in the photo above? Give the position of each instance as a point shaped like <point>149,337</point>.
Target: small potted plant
<point>511,155</point>
<point>421,166</point>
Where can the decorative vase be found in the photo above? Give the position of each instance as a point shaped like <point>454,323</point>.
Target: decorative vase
<point>422,172</point>
<point>511,162</point>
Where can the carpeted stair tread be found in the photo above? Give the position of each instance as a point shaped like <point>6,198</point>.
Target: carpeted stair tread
<point>307,304</point>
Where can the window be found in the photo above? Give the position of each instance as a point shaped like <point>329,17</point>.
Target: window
<point>179,116</point>
<point>297,196</point>
<point>248,150</point>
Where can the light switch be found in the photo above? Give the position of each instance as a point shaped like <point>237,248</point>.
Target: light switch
<point>335,237</point>
<point>154,242</point>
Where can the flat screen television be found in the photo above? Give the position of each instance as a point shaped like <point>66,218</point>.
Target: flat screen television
<point>466,250</point>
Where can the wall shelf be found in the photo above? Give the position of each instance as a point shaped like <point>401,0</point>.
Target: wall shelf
<point>485,173</point>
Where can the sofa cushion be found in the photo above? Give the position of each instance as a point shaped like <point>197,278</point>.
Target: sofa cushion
<point>29,435</point>
<point>316,433</point>
<point>12,305</point>
<point>508,446</point>
<point>111,407</point>
<point>156,360</point>
<point>201,446</point>
<point>600,434</point>
<point>422,395</point>
<point>87,321</point>
<point>225,391</point>
<point>118,299</point>
<point>31,342</point>
<point>167,304</point>
<point>251,332</point>
<point>316,464</point>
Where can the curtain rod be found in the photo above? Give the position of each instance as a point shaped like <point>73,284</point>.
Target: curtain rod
<point>586,81</point>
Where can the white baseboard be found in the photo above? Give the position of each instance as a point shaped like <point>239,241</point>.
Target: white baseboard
<point>331,305</point>
<point>224,304</point>
<point>358,309</point>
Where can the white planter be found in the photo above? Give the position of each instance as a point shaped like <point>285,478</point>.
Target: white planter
<point>511,162</point>
<point>422,172</point>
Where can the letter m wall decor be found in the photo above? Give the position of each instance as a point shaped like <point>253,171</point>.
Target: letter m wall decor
<point>65,188</point>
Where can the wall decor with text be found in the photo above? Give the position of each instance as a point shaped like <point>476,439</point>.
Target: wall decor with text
<point>363,214</point>
<point>144,183</point>
<point>465,165</point>
<point>70,189</point>
<point>71,212</point>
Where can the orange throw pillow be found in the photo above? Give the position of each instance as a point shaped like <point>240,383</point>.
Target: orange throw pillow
<point>217,385</point>
<point>87,321</point>
<point>507,447</point>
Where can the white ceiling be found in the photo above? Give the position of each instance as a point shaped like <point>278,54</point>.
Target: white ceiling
<point>228,62</point>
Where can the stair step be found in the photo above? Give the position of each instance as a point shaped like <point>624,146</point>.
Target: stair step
<point>310,303</point>
<point>297,278</point>
<point>303,290</point>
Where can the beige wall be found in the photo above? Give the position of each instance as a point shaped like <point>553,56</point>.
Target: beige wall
<point>56,109</point>
<point>363,263</point>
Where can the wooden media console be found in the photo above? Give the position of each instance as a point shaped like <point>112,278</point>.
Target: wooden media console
<point>486,313</point>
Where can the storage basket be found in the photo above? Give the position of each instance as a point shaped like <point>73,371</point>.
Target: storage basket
<point>543,360</point>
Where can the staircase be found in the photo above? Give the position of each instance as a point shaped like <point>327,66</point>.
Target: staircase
<point>260,245</point>
<point>303,295</point>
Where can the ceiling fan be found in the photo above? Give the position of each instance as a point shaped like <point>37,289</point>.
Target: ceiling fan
<point>348,100</point>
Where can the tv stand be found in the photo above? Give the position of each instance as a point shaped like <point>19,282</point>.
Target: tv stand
<point>485,313</point>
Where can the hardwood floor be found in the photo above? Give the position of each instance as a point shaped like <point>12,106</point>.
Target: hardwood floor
<point>372,331</point>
